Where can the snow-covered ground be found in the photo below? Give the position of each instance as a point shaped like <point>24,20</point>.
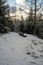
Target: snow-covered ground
<point>17,50</point>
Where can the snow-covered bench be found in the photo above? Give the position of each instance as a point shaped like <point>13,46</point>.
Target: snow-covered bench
<point>22,34</point>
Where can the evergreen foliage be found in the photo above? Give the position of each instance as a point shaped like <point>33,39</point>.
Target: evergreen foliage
<point>4,21</point>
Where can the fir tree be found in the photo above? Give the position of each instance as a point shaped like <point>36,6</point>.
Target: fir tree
<point>4,21</point>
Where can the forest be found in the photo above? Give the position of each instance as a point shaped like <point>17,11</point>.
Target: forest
<point>21,32</point>
<point>33,24</point>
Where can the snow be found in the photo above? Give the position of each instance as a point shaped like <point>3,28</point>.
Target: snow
<point>17,50</point>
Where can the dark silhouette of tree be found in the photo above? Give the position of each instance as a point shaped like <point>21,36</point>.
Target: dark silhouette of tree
<point>35,6</point>
<point>4,21</point>
<point>34,17</point>
<point>22,24</point>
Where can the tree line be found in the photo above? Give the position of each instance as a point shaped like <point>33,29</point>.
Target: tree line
<point>26,26</point>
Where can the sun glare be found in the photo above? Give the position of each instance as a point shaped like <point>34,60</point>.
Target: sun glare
<point>20,1</point>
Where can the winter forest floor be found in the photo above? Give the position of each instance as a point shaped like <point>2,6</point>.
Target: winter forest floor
<point>17,50</point>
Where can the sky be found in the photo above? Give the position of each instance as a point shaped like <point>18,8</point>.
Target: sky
<point>20,3</point>
<point>15,2</point>
<point>11,2</point>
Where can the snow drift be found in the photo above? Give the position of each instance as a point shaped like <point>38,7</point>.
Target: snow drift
<point>17,50</point>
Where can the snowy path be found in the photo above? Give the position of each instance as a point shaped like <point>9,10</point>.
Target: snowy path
<point>16,50</point>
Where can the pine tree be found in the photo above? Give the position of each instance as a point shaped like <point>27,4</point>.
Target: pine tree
<point>4,21</point>
<point>2,15</point>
